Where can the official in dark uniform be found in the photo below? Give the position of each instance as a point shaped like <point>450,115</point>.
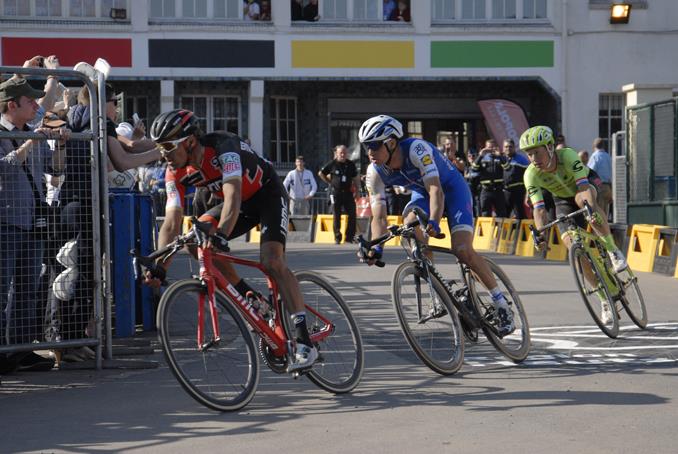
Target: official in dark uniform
<point>342,176</point>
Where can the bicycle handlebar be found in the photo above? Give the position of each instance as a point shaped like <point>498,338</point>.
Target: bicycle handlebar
<point>536,232</point>
<point>198,233</point>
<point>394,231</point>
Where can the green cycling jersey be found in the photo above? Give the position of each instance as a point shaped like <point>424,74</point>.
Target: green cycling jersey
<point>562,183</point>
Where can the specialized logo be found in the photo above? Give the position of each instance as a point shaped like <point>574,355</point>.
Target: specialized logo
<point>457,216</point>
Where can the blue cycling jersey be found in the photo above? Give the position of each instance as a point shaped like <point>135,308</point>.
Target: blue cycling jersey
<point>423,161</point>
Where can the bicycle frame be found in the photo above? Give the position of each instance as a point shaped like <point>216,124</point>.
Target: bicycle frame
<point>596,252</point>
<point>275,337</point>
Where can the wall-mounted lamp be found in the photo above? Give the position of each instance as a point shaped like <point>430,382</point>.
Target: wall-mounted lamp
<point>620,13</point>
<point>118,13</point>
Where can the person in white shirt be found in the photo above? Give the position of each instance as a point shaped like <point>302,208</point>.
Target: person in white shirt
<point>301,187</point>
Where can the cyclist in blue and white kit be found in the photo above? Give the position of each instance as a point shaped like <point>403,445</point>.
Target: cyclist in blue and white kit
<point>436,185</point>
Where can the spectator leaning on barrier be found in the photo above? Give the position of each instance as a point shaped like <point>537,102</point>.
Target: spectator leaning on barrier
<point>514,187</point>
<point>601,163</point>
<point>22,219</point>
<point>342,176</point>
<point>489,165</point>
<point>301,187</point>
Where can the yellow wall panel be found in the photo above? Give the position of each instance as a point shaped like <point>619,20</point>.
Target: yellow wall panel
<point>353,54</point>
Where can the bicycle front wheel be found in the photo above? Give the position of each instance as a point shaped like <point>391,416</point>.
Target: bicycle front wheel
<point>516,345</point>
<point>594,290</point>
<point>428,319</point>
<point>632,298</point>
<point>339,367</point>
<point>223,377</point>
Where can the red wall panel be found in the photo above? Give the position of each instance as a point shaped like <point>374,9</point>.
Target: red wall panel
<point>118,52</point>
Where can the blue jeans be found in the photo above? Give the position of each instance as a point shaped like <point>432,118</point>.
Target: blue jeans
<point>20,264</point>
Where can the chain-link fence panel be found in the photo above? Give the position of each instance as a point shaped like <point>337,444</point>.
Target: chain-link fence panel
<point>639,154</point>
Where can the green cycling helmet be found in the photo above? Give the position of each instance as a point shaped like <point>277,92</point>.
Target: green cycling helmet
<point>536,136</point>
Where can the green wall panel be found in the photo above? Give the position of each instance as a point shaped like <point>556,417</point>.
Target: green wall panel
<point>491,54</point>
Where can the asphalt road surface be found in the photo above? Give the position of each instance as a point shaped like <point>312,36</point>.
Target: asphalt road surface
<point>578,391</point>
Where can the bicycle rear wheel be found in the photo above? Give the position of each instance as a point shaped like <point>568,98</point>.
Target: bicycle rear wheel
<point>632,298</point>
<point>516,345</point>
<point>428,319</point>
<point>223,377</point>
<point>339,367</point>
<point>592,288</point>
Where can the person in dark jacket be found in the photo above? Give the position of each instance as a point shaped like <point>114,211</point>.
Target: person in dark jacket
<point>514,188</point>
<point>489,165</point>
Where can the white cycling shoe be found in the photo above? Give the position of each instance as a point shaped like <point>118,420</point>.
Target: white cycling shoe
<point>304,357</point>
<point>618,260</point>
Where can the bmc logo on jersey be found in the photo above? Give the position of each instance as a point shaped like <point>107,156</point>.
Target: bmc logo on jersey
<point>419,149</point>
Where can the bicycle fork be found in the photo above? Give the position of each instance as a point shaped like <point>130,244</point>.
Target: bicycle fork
<point>437,308</point>
<point>208,282</point>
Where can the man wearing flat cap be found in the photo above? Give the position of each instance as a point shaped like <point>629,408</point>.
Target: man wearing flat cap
<point>22,199</point>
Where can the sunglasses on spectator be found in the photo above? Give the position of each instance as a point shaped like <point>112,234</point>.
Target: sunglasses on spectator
<point>167,148</point>
<point>374,146</point>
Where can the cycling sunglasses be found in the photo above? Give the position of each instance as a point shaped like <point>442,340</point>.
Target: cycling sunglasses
<point>374,146</point>
<point>167,148</point>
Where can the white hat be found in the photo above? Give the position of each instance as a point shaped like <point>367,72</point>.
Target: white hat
<point>125,129</point>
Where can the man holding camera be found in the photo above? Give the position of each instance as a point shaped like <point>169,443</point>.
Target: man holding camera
<point>489,165</point>
<point>23,216</point>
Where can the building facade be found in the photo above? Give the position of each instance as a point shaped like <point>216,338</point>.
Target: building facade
<point>302,86</point>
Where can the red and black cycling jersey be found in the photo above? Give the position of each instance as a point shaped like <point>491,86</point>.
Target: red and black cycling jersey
<point>226,157</point>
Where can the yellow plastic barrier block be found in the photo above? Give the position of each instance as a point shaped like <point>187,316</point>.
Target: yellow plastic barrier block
<point>484,234</point>
<point>643,246</point>
<point>556,247</point>
<point>444,242</point>
<point>508,236</point>
<point>524,243</point>
<point>676,273</point>
<point>187,224</point>
<point>255,234</point>
<point>324,232</point>
<point>393,220</point>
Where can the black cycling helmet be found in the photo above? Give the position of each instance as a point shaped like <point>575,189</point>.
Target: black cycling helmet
<point>173,125</point>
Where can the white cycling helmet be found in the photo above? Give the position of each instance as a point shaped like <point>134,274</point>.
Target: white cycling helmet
<point>380,128</point>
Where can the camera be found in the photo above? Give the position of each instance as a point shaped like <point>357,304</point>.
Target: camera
<point>41,62</point>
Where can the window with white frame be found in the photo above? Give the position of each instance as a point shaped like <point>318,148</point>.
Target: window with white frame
<point>473,9</point>
<point>503,9</point>
<point>82,8</point>
<point>368,10</point>
<point>334,10</point>
<point>610,115</point>
<point>16,8</point>
<point>415,129</point>
<point>215,113</point>
<point>442,10</point>
<point>227,9</point>
<point>283,114</point>
<point>534,9</point>
<point>50,8</point>
<point>163,8</point>
<point>61,8</point>
<point>194,8</point>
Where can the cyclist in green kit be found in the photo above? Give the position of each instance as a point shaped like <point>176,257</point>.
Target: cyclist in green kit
<point>562,173</point>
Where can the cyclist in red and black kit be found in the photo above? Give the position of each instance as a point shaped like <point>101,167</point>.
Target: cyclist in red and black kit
<point>236,190</point>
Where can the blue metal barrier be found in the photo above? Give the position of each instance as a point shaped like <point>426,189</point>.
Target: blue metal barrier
<point>132,227</point>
